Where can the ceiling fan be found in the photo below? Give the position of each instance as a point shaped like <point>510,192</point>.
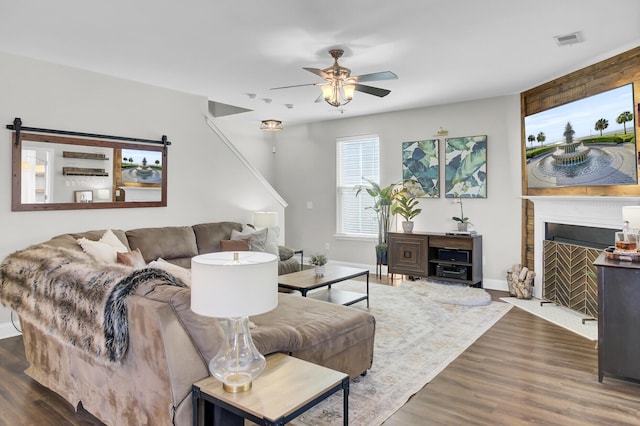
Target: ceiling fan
<point>339,85</point>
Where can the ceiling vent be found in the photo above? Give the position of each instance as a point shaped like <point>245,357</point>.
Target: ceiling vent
<point>568,39</point>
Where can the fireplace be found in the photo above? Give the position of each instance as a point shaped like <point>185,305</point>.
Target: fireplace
<point>592,212</point>
<point>569,276</point>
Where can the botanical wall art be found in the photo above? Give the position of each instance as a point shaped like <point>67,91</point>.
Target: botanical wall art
<point>466,167</point>
<point>420,168</point>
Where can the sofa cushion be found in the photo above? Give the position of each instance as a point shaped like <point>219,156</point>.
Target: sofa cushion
<point>208,235</point>
<point>205,332</point>
<point>169,242</point>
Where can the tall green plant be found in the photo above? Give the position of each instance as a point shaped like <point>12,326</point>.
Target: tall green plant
<point>383,198</point>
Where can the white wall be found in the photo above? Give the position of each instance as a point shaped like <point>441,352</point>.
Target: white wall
<point>206,181</point>
<point>305,171</point>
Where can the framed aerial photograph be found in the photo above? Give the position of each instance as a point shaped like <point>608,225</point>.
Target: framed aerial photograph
<point>466,167</point>
<point>421,168</point>
<point>141,168</point>
<point>588,142</point>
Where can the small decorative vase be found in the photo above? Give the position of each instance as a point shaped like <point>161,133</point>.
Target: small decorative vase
<point>319,270</point>
<point>407,226</point>
<point>463,226</point>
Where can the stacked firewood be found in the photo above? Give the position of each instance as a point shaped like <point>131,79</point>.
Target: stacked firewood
<point>520,280</point>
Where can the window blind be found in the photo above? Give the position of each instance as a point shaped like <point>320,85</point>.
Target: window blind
<point>357,158</point>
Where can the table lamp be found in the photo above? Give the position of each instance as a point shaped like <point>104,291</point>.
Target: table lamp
<point>265,219</point>
<point>234,285</point>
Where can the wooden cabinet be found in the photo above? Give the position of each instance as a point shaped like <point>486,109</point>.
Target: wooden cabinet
<point>618,318</point>
<point>453,258</point>
<point>408,253</point>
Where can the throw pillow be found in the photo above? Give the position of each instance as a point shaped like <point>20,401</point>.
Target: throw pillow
<point>105,249</point>
<point>132,258</point>
<point>183,274</point>
<point>110,238</point>
<point>234,245</point>
<point>257,239</point>
<point>285,253</point>
<point>101,252</point>
<point>271,244</point>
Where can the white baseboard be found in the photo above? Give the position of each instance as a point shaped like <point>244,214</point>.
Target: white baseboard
<point>8,330</point>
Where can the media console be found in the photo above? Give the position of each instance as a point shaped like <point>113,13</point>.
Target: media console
<point>453,258</point>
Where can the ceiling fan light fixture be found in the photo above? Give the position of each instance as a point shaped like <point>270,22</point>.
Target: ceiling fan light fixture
<point>336,94</point>
<point>271,125</point>
<point>348,89</point>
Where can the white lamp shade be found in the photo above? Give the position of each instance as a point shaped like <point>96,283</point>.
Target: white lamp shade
<point>224,288</point>
<point>265,219</point>
<point>631,214</point>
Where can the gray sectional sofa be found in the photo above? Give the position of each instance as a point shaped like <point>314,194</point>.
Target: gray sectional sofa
<point>123,341</point>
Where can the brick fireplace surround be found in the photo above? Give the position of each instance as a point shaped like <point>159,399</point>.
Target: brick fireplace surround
<point>599,212</point>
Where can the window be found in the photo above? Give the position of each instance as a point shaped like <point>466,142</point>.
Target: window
<point>357,157</point>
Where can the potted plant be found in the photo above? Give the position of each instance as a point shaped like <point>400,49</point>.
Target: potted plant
<point>406,206</point>
<point>318,260</point>
<point>463,221</point>
<point>383,198</point>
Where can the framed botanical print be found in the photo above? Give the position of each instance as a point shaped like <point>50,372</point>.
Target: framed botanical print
<point>421,168</point>
<point>466,167</point>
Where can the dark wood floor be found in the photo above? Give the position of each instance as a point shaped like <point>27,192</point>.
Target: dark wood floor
<point>524,370</point>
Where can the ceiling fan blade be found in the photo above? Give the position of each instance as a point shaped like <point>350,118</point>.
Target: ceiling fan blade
<point>318,72</point>
<point>377,76</point>
<point>319,98</point>
<point>372,90</point>
<point>296,85</point>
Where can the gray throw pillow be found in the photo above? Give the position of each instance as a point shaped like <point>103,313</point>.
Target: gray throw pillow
<point>257,239</point>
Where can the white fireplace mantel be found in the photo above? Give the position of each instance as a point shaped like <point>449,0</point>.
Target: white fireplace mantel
<point>599,212</point>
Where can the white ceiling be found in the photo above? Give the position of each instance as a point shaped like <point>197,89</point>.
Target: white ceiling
<point>442,50</point>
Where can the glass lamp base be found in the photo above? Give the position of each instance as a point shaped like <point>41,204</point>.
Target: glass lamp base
<point>235,383</point>
<point>237,362</point>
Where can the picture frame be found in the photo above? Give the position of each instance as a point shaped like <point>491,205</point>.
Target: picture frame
<point>140,168</point>
<point>421,167</point>
<point>466,167</point>
<point>85,196</point>
<point>590,141</point>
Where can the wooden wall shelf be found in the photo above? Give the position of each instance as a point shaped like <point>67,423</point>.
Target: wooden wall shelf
<point>79,171</point>
<point>84,155</point>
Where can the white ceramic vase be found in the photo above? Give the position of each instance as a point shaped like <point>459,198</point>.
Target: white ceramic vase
<point>407,226</point>
<point>319,270</point>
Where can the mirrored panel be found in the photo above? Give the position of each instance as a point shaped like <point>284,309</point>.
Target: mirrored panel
<point>62,173</point>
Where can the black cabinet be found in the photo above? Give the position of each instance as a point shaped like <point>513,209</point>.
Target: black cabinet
<point>618,318</point>
<point>453,258</point>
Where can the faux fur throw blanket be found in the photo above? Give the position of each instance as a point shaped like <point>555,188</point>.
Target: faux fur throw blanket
<point>69,295</point>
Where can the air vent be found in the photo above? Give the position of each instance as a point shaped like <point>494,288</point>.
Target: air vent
<point>568,39</point>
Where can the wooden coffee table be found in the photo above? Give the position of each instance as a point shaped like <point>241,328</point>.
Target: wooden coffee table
<point>306,280</point>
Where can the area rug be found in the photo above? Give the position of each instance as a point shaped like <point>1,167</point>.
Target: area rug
<point>455,294</point>
<point>416,338</point>
<point>559,315</point>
